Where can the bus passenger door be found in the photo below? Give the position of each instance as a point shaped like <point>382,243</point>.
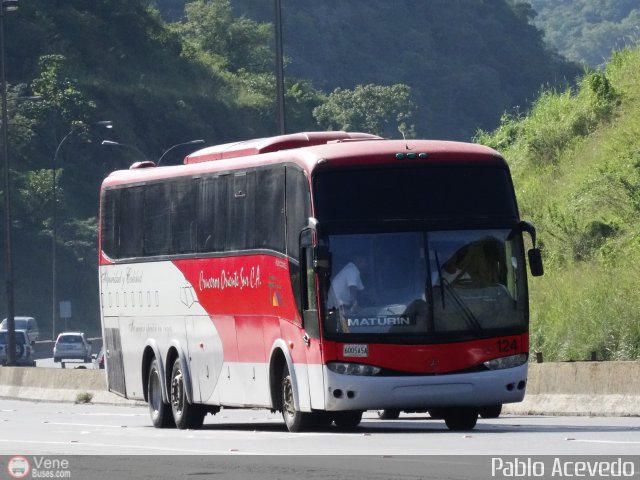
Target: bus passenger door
<point>311,324</point>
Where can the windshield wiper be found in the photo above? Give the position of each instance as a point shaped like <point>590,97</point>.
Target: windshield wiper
<point>439,276</point>
<point>468,315</point>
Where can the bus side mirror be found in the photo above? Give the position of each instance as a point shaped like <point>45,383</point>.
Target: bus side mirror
<point>534,255</point>
<point>535,262</point>
<point>322,260</point>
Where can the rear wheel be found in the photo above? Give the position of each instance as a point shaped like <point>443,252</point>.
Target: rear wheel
<point>491,411</point>
<point>461,418</point>
<point>160,412</point>
<point>389,414</point>
<point>436,413</point>
<point>185,414</point>
<point>295,420</point>
<point>348,419</point>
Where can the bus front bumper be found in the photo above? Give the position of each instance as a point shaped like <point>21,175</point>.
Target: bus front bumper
<point>353,392</point>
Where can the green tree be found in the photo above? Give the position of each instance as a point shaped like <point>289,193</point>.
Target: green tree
<point>370,108</point>
<point>234,42</point>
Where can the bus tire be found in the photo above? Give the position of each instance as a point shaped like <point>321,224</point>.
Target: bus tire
<point>348,419</point>
<point>389,414</point>
<point>461,418</point>
<point>160,412</point>
<point>491,411</point>
<point>436,413</point>
<point>295,420</point>
<point>185,414</point>
<point>321,419</point>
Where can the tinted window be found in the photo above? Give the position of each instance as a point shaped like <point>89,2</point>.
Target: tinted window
<point>437,193</point>
<point>212,213</point>
<point>157,220</point>
<point>270,214</point>
<point>183,218</point>
<point>216,213</point>
<point>109,234</point>
<point>130,229</point>
<point>298,208</point>
<point>241,219</point>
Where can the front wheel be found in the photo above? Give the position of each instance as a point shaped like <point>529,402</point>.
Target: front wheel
<point>160,412</point>
<point>461,418</point>
<point>185,414</point>
<point>295,420</point>
<point>348,419</point>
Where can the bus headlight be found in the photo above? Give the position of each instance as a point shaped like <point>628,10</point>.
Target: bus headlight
<point>344,368</point>
<point>506,362</point>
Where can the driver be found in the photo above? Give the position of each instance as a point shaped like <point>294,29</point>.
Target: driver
<point>346,285</point>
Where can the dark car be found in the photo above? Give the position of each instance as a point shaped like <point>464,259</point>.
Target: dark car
<point>23,348</point>
<point>72,346</point>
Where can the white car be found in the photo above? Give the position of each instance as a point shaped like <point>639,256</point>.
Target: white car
<point>72,346</point>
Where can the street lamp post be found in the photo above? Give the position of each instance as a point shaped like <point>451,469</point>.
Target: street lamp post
<point>111,143</point>
<point>279,68</point>
<point>192,142</point>
<point>7,6</point>
<point>54,221</point>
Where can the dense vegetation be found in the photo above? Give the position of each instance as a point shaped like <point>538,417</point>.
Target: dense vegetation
<point>575,158</point>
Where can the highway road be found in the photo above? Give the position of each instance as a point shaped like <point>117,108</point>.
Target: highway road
<point>239,439</point>
<point>62,428</point>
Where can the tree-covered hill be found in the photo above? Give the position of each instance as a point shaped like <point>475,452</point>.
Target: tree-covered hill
<point>460,64</point>
<point>465,62</point>
<point>586,31</point>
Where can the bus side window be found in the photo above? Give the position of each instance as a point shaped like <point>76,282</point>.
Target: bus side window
<point>270,209</point>
<point>182,214</point>
<point>130,215</point>
<point>157,219</point>
<point>211,212</point>
<point>109,224</point>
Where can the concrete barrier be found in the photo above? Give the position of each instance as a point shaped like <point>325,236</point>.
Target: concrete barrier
<point>56,385</point>
<point>580,388</point>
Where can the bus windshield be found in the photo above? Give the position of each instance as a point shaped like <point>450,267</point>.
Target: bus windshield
<point>454,284</point>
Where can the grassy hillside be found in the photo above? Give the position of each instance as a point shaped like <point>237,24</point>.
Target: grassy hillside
<point>576,164</point>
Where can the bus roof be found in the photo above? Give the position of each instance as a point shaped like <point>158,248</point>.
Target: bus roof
<point>273,144</point>
<point>309,150</point>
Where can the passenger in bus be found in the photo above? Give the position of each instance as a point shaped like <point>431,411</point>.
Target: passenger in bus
<point>476,263</point>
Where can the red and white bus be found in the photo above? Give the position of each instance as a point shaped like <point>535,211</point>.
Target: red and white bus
<point>219,281</point>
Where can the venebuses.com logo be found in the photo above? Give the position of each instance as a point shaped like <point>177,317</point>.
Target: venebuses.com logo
<point>38,467</point>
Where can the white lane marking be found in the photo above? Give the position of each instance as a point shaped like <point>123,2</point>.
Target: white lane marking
<point>607,441</point>
<point>138,447</point>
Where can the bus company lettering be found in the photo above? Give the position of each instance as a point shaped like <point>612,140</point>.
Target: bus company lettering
<point>121,277</point>
<point>379,321</point>
<point>236,279</point>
